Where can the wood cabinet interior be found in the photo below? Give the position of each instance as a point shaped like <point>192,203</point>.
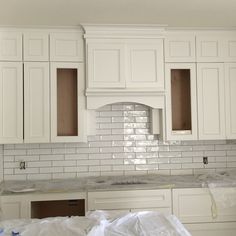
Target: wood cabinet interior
<point>181,100</point>
<point>43,209</point>
<point>67,102</point>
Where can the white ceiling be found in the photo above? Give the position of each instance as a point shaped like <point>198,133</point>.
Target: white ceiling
<point>199,13</point>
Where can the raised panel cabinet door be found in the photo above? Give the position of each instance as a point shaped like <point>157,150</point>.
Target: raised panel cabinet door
<point>106,65</point>
<point>230,95</point>
<point>11,102</point>
<point>145,65</point>
<point>229,48</point>
<point>66,46</point>
<point>180,48</point>
<point>181,101</point>
<point>211,101</point>
<point>36,46</point>
<point>10,46</point>
<point>209,49</point>
<point>67,102</point>
<point>36,102</point>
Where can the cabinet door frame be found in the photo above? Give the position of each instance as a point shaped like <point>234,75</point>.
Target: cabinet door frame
<point>229,102</point>
<point>193,83</point>
<point>18,116</point>
<point>221,96</point>
<point>80,102</point>
<point>41,37</point>
<point>44,118</point>
<point>106,45</point>
<point>155,46</point>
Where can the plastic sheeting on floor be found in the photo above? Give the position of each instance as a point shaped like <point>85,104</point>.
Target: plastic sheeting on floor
<point>98,223</point>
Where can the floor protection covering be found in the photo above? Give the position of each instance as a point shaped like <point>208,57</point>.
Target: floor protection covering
<point>98,223</point>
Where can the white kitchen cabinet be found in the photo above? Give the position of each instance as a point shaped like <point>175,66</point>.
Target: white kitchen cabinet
<point>14,207</point>
<point>145,64</point>
<point>36,102</point>
<point>230,88</point>
<point>181,101</point>
<point>180,48</point>
<point>229,48</point>
<point>209,48</point>
<point>132,200</point>
<point>11,102</point>
<point>106,64</point>
<point>66,46</point>
<point>67,102</point>
<point>36,46</point>
<point>10,46</point>
<point>211,101</point>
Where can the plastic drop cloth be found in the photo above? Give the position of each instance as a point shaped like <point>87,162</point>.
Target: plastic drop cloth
<point>98,223</point>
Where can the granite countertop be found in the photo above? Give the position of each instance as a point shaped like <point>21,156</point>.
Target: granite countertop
<point>112,183</point>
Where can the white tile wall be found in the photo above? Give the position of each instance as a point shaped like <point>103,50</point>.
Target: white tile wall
<point>123,146</point>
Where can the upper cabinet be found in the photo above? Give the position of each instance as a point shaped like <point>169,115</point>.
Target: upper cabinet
<point>181,101</point>
<point>36,102</point>
<point>106,64</point>
<point>10,46</point>
<point>180,47</point>
<point>125,63</point>
<point>66,46</point>
<point>36,46</point>
<point>211,100</point>
<point>11,102</point>
<point>67,102</point>
<point>230,95</point>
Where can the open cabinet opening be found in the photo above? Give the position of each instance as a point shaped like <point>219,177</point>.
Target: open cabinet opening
<point>43,209</point>
<point>181,100</point>
<point>67,102</point>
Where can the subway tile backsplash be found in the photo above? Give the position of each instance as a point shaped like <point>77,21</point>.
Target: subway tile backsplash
<point>123,146</point>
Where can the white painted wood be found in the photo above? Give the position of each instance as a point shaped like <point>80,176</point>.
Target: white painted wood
<point>36,46</point>
<point>181,135</point>
<point>211,101</point>
<point>180,48</point>
<point>203,208</point>
<point>106,65</point>
<point>66,46</point>
<point>14,207</point>
<point>11,102</point>
<point>209,48</point>
<point>36,102</point>
<point>81,102</point>
<point>212,229</point>
<point>145,64</point>
<point>230,95</point>
<point>229,48</point>
<point>10,46</point>
<point>142,199</point>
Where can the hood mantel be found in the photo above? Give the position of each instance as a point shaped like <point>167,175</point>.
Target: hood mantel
<point>125,63</point>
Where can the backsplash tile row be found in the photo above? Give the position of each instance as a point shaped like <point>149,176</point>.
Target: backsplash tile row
<point>123,146</point>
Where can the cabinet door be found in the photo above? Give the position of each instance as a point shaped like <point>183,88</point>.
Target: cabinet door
<point>67,102</point>
<point>180,48</point>
<point>106,65</point>
<point>211,101</point>
<point>10,46</point>
<point>36,100</point>
<point>145,65</point>
<point>209,49</point>
<point>11,102</point>
<point>181,101</point>
<point>36,47</point>
<point>229,48</point>
<point>66,46</point>
<point>230,88</point>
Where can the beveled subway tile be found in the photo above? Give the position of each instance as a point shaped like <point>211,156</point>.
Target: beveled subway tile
<point>142,119</point>
<point>134,149</point>
<point>135,113</point>
<point>147,143</point>
<point>169,154</point>
<point>100,156</point>
<point>215,153</point>
<point>152,149</point>
<point>123,155</point>
<point>134,137</point>
<point>142,131</point>
<point>111,149</point>
<point>170,166</point>
<point>110,113</point>
<point>123,143</point>
<point>135,125</point>
<point>111,137</point>
<point>111,125</point>
<point>103,120</point>
<point>123,167</point>
<point>181,148</point>
<point>147,167</point>
<point>146,155</point>
<point>181,160</point>
<point>100,144</point>
<point>134,161</point>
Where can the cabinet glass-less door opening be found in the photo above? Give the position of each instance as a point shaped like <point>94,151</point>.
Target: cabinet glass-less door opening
<point>67,101</point>
<point>181,101</point>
